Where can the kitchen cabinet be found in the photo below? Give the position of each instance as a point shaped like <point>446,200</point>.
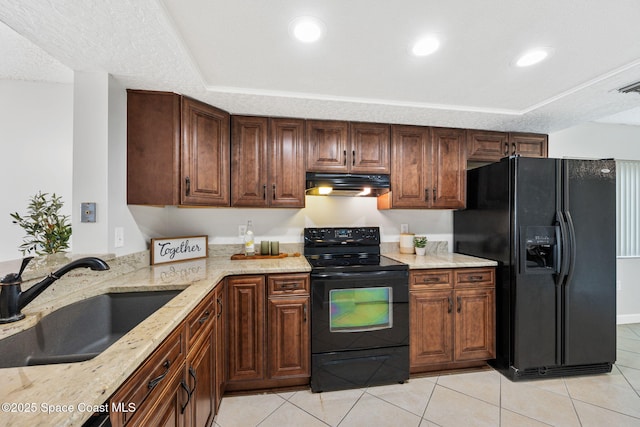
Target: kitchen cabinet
<point>268,331</point>
<point>267,162</point>
<point>177,151</point>
<point>452,318</point>
<point>176,385</point>
<point>220,356</point>
<point>428,168</point>
<point>489,146</point>
<point>343,147</point>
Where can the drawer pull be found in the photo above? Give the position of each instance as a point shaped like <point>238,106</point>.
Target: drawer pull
<point>290,286</point>
<point>475,278</point>
<point>204,318</point>
<point>430,280</point>
<point>154,382</point>
<point>184,387</point>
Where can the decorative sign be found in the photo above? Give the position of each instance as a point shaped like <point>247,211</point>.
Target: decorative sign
<point>175,249</point>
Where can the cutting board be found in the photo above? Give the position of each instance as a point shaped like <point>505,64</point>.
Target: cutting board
<point>243,256</point>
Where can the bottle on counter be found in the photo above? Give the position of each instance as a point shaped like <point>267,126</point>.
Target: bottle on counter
<point>249,246</point>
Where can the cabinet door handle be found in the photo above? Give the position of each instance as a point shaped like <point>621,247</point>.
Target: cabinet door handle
<point>183,384</point>
<point>304,312</point>
<point>434,194</point>
<point>204,318</point>
<point>426,194</point>
<point>219,301</point>
<point>344,161</point>
<point>264,192</point>
<point>459,304</point>
<point>273,195</point>
<point>154,382</point>
<point>353,158</point>
<point>513,145</point>
<point>188,183</point>
<point>450,305</point>
<point>506,148</point>
<point>192,374</point>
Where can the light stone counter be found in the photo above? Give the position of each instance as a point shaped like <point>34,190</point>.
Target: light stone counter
<point>440,260</point>
<point>71,391</point>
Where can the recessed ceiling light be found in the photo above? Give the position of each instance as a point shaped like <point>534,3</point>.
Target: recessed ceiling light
<point>533,57</point>
<point>425,46</point>
<point>307,29</point>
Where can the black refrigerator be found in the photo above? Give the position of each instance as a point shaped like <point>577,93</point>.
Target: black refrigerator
<point>550,224</point>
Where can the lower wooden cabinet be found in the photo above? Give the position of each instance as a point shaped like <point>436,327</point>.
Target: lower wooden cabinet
<point>179,384</point>
<point>452,318</point>
<point>268,331</point>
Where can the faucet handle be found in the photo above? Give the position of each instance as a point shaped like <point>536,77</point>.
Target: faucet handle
<point>16,278</point>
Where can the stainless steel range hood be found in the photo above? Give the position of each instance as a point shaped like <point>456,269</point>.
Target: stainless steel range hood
<point>352,185</point>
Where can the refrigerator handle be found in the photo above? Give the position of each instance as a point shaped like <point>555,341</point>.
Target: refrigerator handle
<point>562,250</point>
<point>572,248</point>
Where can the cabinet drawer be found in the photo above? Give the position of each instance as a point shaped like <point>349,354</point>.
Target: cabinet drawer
<point>200,319</point>
<point>148,382</point>
<point>288,284</point>
<point>470,277</point>
<point>431,279</point>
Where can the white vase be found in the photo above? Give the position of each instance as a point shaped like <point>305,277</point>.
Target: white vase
<point>421,251</point>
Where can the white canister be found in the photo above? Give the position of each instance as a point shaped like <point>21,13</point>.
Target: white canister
<point>406,243</point>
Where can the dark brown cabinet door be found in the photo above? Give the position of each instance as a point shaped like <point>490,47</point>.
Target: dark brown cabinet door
<point>431,326</point>
<point>289,345</point>
<point>200,381</point>
<point>410,176</point>
<point>369,152</point>
<point>449,168</point>
<point>286,184</point>
<point>475,330</point>
<point>246,321</point>
<point>168,411</point>
<point>529,144</point>
<point>327,146</point>
<point>249,160</point>
<point>153,148</point>
<point>487,146</point>
<point>205,154</point>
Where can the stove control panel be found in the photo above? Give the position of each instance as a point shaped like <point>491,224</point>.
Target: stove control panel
<point>337,236</point>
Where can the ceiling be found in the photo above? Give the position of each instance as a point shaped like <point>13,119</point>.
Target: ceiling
<point>238,55</point>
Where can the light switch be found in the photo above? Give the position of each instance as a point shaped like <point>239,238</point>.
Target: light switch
<point>88,213</point>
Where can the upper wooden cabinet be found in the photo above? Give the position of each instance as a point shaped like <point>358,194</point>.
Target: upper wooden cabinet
<point>177,151</point>
<point>343,147</point>
<point>267,162</point>
<point>428,168</point>
<point>489,146</point>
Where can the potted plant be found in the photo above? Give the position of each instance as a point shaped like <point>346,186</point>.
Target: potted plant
<point>420,242</point>
<point>48,231</point>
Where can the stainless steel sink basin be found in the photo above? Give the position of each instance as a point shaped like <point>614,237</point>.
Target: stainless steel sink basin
<point>82,330</point>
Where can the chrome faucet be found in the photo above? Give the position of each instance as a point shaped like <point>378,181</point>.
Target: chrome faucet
<point>13,300</point>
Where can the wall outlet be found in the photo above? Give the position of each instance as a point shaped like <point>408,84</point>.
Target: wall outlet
<point>242,229</point>
<point>404,228</point>
<point>119,237</point>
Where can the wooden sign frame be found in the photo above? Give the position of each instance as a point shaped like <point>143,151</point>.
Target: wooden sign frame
<point>176,249</point>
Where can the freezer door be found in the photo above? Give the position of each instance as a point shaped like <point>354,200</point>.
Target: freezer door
<point>589,296</point>
<point>535,299</point>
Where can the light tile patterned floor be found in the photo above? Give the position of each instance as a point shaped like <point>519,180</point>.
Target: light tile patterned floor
<point>483,398</point>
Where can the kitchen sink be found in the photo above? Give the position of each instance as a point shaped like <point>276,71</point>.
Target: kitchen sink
<point>82,330</point>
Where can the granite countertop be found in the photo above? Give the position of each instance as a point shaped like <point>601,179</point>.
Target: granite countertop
<point>440,260</point>
<point>67,394</point>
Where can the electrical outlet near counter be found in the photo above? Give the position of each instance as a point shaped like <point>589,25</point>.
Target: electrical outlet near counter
<point>242,229</point>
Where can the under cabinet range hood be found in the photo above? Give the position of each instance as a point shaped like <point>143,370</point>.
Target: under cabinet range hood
<point>344,184</point>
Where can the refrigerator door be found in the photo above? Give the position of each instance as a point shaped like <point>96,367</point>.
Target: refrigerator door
<point>535,297</point>
<point>589,295</point>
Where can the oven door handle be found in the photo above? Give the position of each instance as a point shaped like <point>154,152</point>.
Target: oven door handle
<point>360,274</point>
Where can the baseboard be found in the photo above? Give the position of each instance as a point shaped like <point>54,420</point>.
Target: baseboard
<point>623,319</point>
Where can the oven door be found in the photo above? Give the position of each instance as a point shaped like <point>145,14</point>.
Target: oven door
<point>359,310</point>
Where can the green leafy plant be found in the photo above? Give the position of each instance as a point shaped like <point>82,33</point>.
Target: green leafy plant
<point>420,241</point>
<point>47,230</point>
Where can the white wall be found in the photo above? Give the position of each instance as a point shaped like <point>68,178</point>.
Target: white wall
<point>36,148</point>
<point>595,140</point>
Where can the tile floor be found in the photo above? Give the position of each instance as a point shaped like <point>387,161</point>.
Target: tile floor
<point>483,398</point>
